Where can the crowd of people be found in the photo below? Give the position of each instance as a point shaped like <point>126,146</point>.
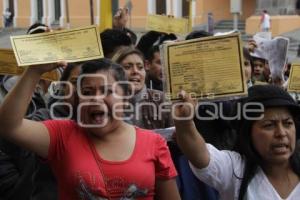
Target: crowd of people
<point>100,140</point>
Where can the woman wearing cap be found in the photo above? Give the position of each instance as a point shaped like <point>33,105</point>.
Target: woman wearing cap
<point>266,163</point>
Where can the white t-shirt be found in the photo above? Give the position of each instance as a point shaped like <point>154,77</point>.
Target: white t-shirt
<point>6,14</point>
<point>224,173</point>
<point>266,21</point>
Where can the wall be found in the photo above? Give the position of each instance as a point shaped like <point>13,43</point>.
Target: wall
<point>200,18</point>
<point>23,13</point>
<point>80,12</point>
<point>249,7</point>
<point>221,10</point>
<point>138,13</point>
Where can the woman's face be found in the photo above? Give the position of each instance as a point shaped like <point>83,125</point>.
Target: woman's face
<point>274,136</point>
<point>100,103</point>
<point>135,71</point>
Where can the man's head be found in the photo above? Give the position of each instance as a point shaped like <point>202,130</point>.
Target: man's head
<point>38,28</point>
<point>153,64</point>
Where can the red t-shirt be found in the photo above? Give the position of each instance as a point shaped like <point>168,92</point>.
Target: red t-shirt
<point>79,177</point>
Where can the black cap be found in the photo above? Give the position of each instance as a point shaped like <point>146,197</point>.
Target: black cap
<point>271,96</point>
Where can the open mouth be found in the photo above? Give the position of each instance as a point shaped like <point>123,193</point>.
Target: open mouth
<point>135,80</point>
<point>280,148</point>
<point>98,116</point>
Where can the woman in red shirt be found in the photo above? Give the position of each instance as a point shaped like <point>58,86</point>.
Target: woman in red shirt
<point>99,156</point>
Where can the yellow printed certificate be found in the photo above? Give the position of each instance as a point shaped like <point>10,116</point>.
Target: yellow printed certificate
<point>207,68</point>
<point>70,45</point>
<point>9,66</point>
<point>167,24</point>
<point>294,79</point>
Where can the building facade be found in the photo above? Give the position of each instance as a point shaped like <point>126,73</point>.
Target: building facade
<point>283,16</point>
<point>55,12</point>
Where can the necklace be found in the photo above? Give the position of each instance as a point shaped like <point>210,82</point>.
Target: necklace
<point>93,149</point>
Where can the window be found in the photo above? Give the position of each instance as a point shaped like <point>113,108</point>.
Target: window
<point>161,7</point>
<point>57,10</point>
<point>40,12</point>
<point>185,8</point>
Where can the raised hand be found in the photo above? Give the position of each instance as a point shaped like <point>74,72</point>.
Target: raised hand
<point>43,68</point>
<point>121,18</point>
<point>184,110</point>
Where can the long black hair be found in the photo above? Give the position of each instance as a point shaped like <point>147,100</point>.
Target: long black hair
<point>270,96</point>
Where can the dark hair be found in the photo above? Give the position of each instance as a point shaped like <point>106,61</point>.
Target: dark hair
<point>150,53</point>
<point>147,40</point>
<point>153,38</point>
<point>198,34</point>
<point>104,64</point>
<point>247,56</point>
<point>269,96</point>
<point>166,37</point>
<point>130,34</point>
<point>124,52</point>
<point>112,39</point>
<point>42,28</point>
<point>64,77</point>
<point>246,53</point>
<point>68,70</point>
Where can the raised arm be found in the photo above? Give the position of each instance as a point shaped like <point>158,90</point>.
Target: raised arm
<point>188,138</point>
<point>26,133</point>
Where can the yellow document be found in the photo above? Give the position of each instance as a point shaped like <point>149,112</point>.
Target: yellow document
<point>70,45</point>
<point>207,68</point>
<point>9,66</point>
<point>294,79</point>
<point>167,24</point>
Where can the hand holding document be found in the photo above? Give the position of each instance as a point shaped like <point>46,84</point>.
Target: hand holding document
<point>166,24</point>
<point>275,51</point>
<point>207,68</point>
<point>69,45</point>
<point>294,79</point>
<point>9,66</point>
